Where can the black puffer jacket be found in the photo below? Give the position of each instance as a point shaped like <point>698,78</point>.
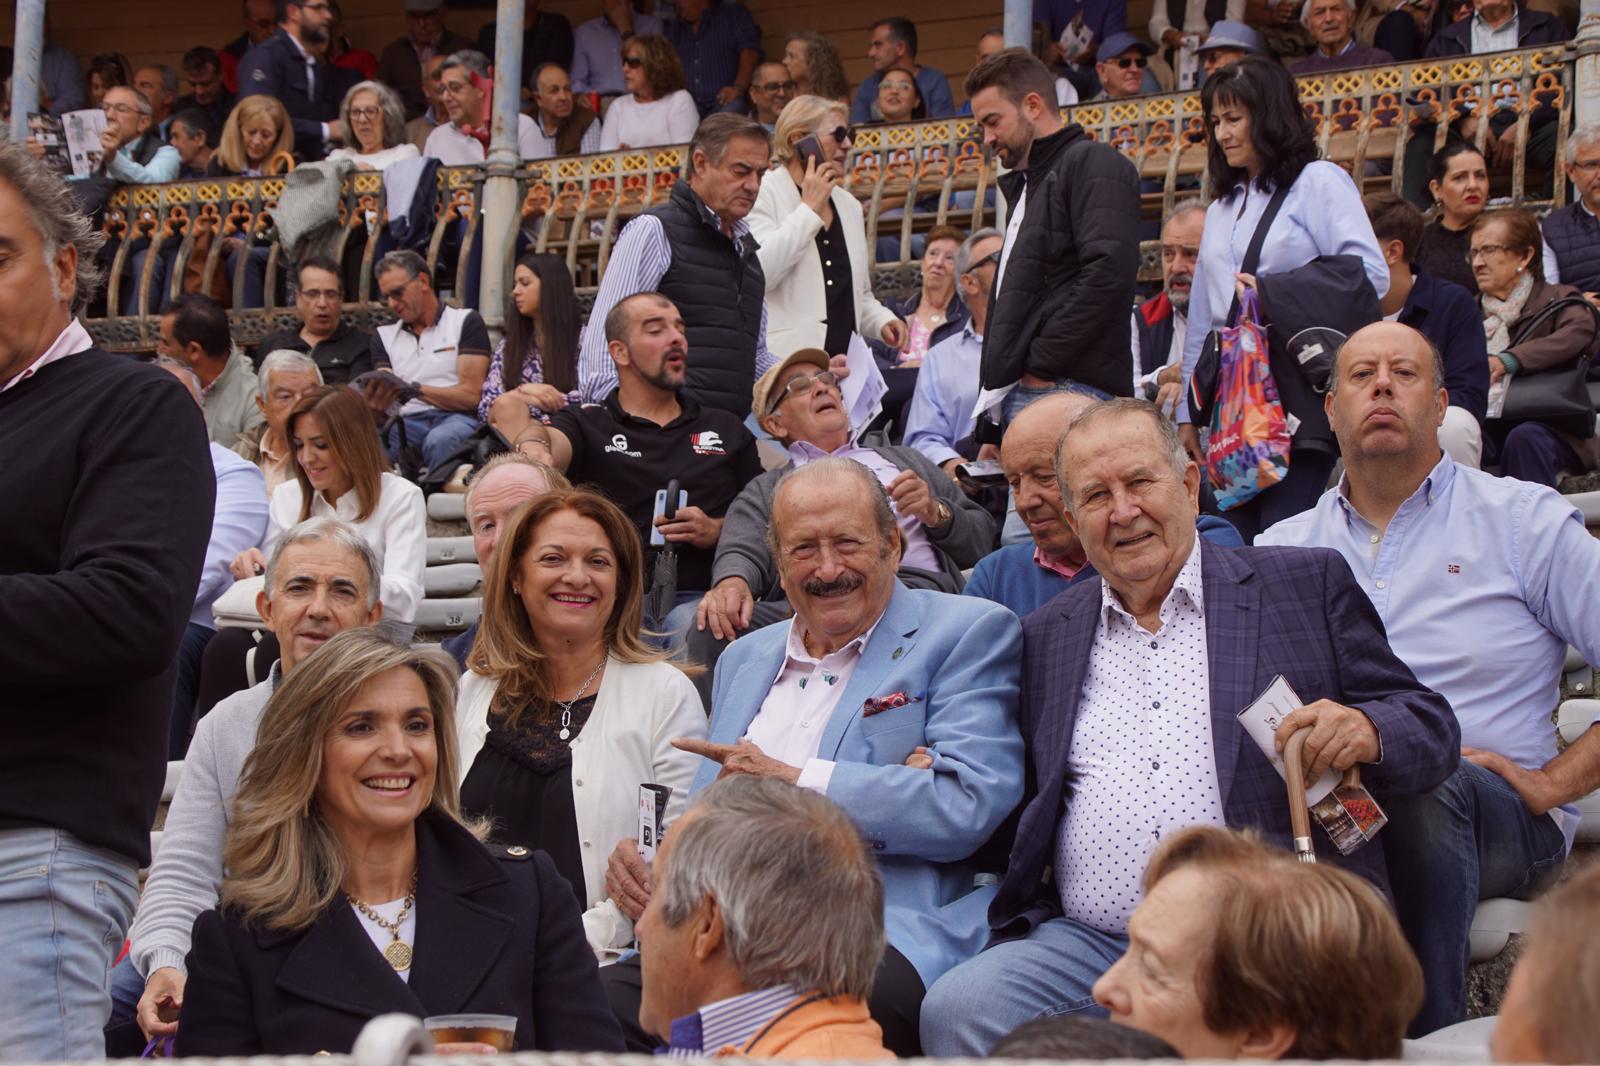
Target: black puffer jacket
<point>1063,310</point>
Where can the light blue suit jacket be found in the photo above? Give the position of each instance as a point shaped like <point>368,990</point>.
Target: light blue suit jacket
<point>962,656</point>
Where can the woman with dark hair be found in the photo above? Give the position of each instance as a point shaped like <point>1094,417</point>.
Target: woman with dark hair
<point>539,355</point>
<point>813,62</point>
<point>656,109</point>
<point>1260,143</point>
<point>1506,254</point>
<point>1459,181</point>
<point>107,71</point>
<point>565,708</point>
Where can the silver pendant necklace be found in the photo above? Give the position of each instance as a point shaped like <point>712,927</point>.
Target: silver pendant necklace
<point>566,708</point>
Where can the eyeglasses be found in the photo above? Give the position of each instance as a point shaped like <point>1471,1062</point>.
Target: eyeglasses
<point>320,296</point>
<point>1131,61</point>
<point>632,62</point>
<point>453,88</point>
<point>120,109</point>
<point>1588,166</point>
<point>1487,250</point>
<point>801,386</point>
<point>365,112</point>
<point>992,257</point>
<point>776,87</point>
<point>398,292</point>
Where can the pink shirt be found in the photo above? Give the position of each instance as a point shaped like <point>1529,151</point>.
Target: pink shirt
<point>1055,566</point>
<point>70,341</point>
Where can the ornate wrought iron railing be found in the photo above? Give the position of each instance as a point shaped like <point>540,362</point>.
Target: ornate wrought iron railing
<point>909,179</point>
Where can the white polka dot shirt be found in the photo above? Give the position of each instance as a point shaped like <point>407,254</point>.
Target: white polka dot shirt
<point>1141,763</point>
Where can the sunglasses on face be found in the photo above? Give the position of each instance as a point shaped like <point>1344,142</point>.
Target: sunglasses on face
<point>1125,62</point>
<point>842,135</point>
<point>632,62</point>
<point>992,257</point>
<point>777,87</point>
<point>802,385</point>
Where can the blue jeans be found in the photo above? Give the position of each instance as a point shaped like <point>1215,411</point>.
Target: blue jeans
<point>1469,839</point>
<point>190,654</point>
<point>438,433</point>
<point>64,911</point>
<point>1022,395</point>
<point>1052,971</point>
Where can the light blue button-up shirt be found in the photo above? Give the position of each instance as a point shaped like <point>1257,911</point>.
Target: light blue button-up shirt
<point>1481,583</point>
<point>941,411</point>
<point>1322,215</point>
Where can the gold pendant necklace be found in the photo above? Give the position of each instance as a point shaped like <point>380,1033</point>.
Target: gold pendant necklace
<point>398,953</point>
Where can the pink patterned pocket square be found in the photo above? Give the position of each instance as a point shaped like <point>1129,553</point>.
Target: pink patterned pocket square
<point>878,704</point>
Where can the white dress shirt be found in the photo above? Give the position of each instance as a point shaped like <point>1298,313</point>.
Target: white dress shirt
<point>792,718</point>
<point>396,530</point>
<point>1142,762</point>
<point>452,148</point>
<point>1486,38</point>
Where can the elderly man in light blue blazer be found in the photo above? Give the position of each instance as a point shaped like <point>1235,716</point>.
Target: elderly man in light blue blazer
<point>899,704</point>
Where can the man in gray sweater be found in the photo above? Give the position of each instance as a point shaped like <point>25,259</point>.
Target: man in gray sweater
<point>799,403</point>
<point>322,578</point>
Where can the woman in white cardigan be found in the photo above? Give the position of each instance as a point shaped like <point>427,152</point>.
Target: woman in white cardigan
<point>565,711</point>
<point>813,239</point>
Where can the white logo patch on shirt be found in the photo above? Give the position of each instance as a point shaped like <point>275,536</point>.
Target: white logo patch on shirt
<point>619,445</point>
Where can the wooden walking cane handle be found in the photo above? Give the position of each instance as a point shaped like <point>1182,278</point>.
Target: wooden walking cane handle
<point>1295,782</point>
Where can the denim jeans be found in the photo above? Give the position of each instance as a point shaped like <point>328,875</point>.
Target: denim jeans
<point>190,654</point>
<point>64,911</point>
<point>437,433</point>
<point>1052,971</point>
<point>1021,396</point>
<point>1471,838</point>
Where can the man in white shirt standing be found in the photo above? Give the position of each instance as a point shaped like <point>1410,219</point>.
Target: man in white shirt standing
<point>442,352</point>
<point>464,82</point>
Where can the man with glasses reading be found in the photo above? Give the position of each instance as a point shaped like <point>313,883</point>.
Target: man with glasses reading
<point>440,352</point>
<point>340,351</point>
<point>290,66</point>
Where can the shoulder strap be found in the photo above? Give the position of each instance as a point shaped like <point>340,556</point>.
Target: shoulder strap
<point>1550,310</point>
<point>1252,254</point>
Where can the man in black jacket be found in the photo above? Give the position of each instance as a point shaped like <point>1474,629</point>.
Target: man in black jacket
<point>105,465</point>
<point>1058,318</point>
<point>289,65</point>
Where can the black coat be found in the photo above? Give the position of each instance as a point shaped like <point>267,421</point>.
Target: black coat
<point>1063,308</point>
<point>1533,28</point>
<point>494,936</point>
<point>276,68</point>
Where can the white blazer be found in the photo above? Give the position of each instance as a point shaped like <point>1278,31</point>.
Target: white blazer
<point>626,742</point>
<point>797,303</point>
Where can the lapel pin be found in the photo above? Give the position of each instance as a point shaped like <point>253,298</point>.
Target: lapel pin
<point>897,653</point>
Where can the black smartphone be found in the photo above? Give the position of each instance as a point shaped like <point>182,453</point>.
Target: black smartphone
<point>983,473</point>
<point>808,147</point>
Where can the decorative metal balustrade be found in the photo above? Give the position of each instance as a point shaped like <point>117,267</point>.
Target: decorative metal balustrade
<point>909,179</point>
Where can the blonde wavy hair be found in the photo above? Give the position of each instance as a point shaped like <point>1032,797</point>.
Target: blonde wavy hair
<point>284,863</point>
<point>800,116</point>
<point>507,649</point>
<point>230,148</point>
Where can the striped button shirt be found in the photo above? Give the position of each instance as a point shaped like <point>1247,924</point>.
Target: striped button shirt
<point>731,1022</point>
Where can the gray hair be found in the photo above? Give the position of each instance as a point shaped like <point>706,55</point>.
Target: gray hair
<point>800,896</point>
<point>403,259</point>
<point>716,131</point>
<point>140,100</point>
<point>279,361</point>
<point>186,372</point>
<point>553,479</point>
<point>830,468</point>
<point>468,59</point>
<point>56,217</point>
<point>1184,206</point>
<point>964,253</point>
<point>1584,136</point>
<point>334,531</point>
<point>1116,407</point>
<point>1305,13</point>
<point>394,115</point>
<point>169,77</point>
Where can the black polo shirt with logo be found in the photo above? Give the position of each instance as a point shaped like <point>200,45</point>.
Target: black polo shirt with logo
<point>710,453</point>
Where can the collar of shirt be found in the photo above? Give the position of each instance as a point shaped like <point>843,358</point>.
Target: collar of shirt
<point>688,408</point>
<point>1482,30</point>
<point>796,653</point>
<point>1054,565</point>
<point>731,1022</point>
<point>438,316</point>
<point>970,329</point>
<point>70,341</point>
<point>1187,582</point>
<point>803,451</point>
<point>230,370</point>
<point>1434,487</point>
<point>740,228</point>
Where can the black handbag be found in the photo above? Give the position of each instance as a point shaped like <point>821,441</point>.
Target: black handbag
<point>1559,396</point>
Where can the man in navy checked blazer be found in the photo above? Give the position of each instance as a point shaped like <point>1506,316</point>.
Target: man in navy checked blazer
<point>1131,688</point>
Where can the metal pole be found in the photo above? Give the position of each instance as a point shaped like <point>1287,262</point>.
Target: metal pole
<point>500,205</point>
<point>1586,78</point>
<point>28,53</point>
<point>1018,24</point>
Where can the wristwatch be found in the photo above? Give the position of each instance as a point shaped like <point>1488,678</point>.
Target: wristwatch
<point>946,515</point>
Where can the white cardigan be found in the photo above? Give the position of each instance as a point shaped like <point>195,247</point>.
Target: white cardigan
<point>626,742</point>
<point>797,303</point>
